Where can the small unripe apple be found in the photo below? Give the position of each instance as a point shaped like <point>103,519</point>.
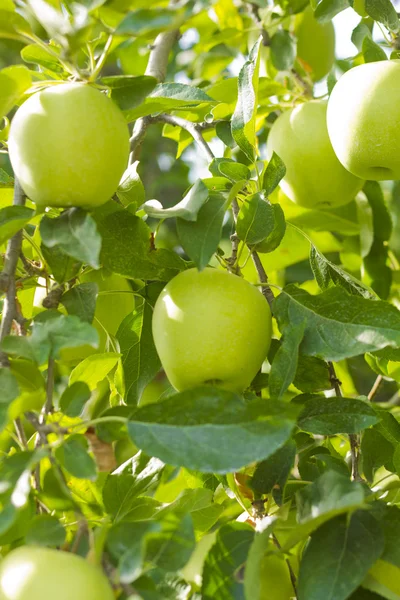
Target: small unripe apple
<point>315,44</point>
<point>314,176</point>
<point>364,119</point>
<point>69,146</point>
<point>36,573</point>
<point>275,578</point>
<point>211,327</point>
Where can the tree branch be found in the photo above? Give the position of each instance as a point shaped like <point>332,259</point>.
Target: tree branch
<point>263,278</point>
<point>375,387</point>
<point>353,438</point>
<point>156,67</point>
<point>194,129</point>
<point>7,277</point>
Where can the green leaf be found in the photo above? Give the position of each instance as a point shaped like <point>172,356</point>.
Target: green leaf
<point>139,357</point>
<point>131,189</point>
<point>12,25</point>
<point>200,239</point>
<point>125,542</point>
<point>384,12</point>
<point>257,220</point>
<point>312,375</point>
<point>75,233</point>
<point>51,332</point>
<point>273,174</point>
<point>167,97</point>
<point>244,117</point>
<point>126,247</point>
<point>254,582</point>
<point>234,171</point>
<point>338,325</point>
<point>333,548</point>
<point>144,21</point>
<point>183,429</point>
<point>73,456</point>
<point>275,237</point>
<point>186,209</point>
<point>12,219</point>
<point>128,91</point>
<point>9,391</point>
<point>371,51</point>
<point>376,451</point>
<point>45,530</point>
<point>330,495</point>
<point>74,398</point>
<point>223,561</point>
<point>128,482</point>
<point>38,55</point>
<point>62,266</point>
<point>327,9</point>
<point>284,366</point>
<point>14,81</point>
<point>94,369</point>
<point>171,547</point>
<point>327,273</point>
<point>283,50</point>
<point>270,475</point>
<point>80,300</point>
<point>328,416</point>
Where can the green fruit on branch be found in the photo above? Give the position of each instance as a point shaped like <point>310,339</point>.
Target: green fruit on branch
<point>69,146</point>
<point>364,120</point>
<point>33,573</point>
<point>314,176</point>
<point>211,327</point>
<point>315,44</point>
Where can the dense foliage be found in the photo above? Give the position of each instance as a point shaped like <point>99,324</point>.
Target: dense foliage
<point>290,489</point>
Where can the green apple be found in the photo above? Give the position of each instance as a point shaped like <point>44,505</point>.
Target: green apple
<point>364,118</point>
<point>33,573</point>
<point>211,327</point>
<point>314,176</point>
<point>69,146</point>
<point>315,44</point>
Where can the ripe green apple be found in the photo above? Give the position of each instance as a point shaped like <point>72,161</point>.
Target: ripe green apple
<point>69,146</point>
<point>211,327</point>
<point>364,118</point>
<point>315,44</point>
<point>33,573</point>
<point>314,176</point>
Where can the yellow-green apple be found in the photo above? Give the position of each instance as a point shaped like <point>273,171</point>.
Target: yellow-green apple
<point>36,573</point>
<point>363,120</point>
<point>314,176</point>
<point>69,146</point>
<point>211,327</point>
<point>274,577</point>
<point>315,44</point>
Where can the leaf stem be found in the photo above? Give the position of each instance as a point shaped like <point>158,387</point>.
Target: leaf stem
<point>375,387</point>
<point>100,63</point>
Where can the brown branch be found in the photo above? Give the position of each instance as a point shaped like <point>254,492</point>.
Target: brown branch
<point>254,12</point>
<point>7,277</point>
<point>353,438</point>
<point>263,278</point>
<point>375,387</point>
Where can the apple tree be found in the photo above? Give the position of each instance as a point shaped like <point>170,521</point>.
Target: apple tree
<point>200,300</point>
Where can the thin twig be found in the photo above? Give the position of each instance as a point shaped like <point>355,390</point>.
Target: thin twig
<point>102,59</point>
<point>254,11</point>
<point>19,428</point>
<point>7,277</point>
<point>353,438</point>
<point>263,278</point>
<point>194,129</point>
<point>291,572</point>
<point>48,407</point>
<point>375,387</point>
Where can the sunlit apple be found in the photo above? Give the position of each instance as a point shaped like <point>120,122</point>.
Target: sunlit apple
<point>69,146</point>
<point>364,120</point>
<point>211,327</point>
<point>315,44</point>
<point>314,176</point>
<point>33,573</point>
